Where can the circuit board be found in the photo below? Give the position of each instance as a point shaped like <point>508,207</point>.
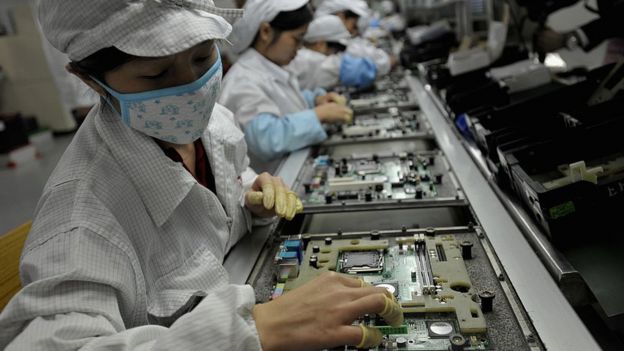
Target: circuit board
<point>426,273</point>
<point>379,178</point>
<point>375,101</point>
<point>392,124</point>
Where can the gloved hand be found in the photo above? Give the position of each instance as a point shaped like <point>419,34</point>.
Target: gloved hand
<point>319,315</point>
<point>331,97</point>
<point>547,40</point>
<point>269,196</point>
<point>334,113</point>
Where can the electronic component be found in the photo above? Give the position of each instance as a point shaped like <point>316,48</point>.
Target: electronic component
<point>353,262</point>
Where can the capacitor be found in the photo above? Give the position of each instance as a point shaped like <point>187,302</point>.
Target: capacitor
<point>329,199</point>
<point>368,197</point>
<point>316,249</point>
<point>375,235</point>
<point>401,342</point>
<point>457,342</point>
<point>307,188</point>
<point>306,240</point>
<point>314,261</point>
<point>438,178</point>
<point>379,188</point>
<point>328,241</point>
<point>419,193</point>
<point>487,298</point>
<point>466,247</point>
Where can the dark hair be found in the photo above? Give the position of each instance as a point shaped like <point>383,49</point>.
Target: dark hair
<point>101,62</point>
<point>289,20</point>
<point>351,14</point>
<point>336,46</point>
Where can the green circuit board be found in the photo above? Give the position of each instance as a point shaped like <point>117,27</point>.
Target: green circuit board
<point>374,178</point>
<point>426,274</point>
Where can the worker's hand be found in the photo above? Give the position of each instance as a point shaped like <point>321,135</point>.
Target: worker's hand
<point>334,113</point>
<point>320,314</point>
<point>331,97</point>
<point>547,40</point>
<point>269,196</point>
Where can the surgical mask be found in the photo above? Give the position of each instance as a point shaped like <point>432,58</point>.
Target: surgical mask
<point>177,115</point>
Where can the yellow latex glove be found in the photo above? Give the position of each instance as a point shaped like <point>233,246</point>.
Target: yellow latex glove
<point>371,337</point>
<point>391,312</point>
<point>274,198</point>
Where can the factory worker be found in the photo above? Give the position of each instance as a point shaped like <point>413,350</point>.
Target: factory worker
<point>276,116</point>
<point>355,15</point>
<point>127,245</point>
<point>322,63</point>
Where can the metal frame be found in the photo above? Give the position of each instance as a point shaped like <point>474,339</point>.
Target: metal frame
<point>240,262</point>
<point>557,324</point>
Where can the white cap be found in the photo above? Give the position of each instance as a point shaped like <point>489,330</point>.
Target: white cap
<point>327,28</point>
<point>331,7</point>
<point>149,28</point>
<point>256,12</point>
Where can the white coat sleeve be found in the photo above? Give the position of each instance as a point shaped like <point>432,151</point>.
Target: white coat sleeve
<point>73,302</point>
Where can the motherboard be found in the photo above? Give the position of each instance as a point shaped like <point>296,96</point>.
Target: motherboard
<point>425,271</point>
<point>375,101</point>
<point>390,124</point>
<point>378,178</point>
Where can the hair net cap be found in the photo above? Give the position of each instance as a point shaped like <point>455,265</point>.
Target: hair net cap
<point>149,28</point>
<point>327,28</point>
<point>256,12</point>
<point>331,7</point>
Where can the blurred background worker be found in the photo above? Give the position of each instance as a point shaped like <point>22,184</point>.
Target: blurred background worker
<point>322,62</point>
<point>607,27</point>
<point>275,114</point>
<point>355,14</point>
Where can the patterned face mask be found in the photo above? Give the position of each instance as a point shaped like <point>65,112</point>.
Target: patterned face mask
<point>177,115</point>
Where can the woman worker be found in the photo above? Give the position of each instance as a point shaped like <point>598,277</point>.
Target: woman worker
<point>322,62</point>
<point>276,116</point>
<point>129,237</point>
<point>354,14</point>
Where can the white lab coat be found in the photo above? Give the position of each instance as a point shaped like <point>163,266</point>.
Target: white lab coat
<point>125,241</point>
<point>315,70</point>
<point>253,86</point>
<point>361,47</point>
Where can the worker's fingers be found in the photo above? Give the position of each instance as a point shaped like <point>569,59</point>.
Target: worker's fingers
<point>360,336</point>
<point>280,198</point>
<point>254,197</point>
<point>392,312</point>
<point>299,206</point>
<point>339,99</point>
<point>268,193</point>
<point>383,304</point>
<point>371,337</point>
<point>291,209</point>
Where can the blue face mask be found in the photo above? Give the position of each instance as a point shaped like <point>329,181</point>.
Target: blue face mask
<point>177,115</point>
